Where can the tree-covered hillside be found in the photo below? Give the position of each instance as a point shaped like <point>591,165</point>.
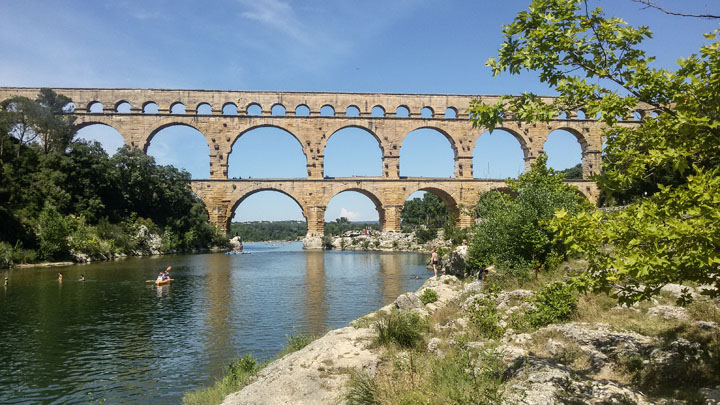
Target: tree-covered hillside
<point>59,195</point>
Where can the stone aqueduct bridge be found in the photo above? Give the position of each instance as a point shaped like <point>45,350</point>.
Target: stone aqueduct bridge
<point>445,113</point>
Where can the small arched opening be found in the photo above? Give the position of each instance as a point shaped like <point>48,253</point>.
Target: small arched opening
<point>302,110</point>
<point>278,110</point>
<point>95,107</point>
<point>352,111</point>
<point>177,108</point>
<point>150,107</point>
<point>327,111</point>
<point>229,109</point>
<point>377,111</point>
<point>122,107</point>
<point>204,109</point>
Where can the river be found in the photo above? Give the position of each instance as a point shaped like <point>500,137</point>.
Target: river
<point>117,338</point>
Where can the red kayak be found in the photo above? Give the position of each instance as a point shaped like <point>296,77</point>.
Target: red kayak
<point>163,282</point>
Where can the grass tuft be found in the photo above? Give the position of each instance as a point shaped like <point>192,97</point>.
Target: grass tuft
<point>404,329</point>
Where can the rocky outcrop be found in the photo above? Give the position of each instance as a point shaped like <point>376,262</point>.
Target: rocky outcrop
<point>236,244</point>
<point>454,263</point>
<point>314,375</point>
<point>534,381</point>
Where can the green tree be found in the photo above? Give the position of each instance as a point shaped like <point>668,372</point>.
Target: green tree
<point>429,211</point>
<point>511,229</point>
<point>666,166</point>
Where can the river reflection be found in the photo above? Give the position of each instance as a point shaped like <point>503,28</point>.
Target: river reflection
<point>119,338</point>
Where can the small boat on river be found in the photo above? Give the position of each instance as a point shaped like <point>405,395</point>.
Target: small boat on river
<point>163,282</point>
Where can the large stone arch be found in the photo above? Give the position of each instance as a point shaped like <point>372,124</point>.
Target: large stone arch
<point>514,133</point>
<point>453,142</point>
<point>240,197</point>
<point>167,124</point>
<point>334,130</point>
<point>372,195</point>
<point>85,124</point>
<point>590,140</point>
<point>253,127</point>
<point>266,125</point>
<point>451,203</point>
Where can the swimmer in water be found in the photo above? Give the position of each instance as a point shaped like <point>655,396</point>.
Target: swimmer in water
<point>82,277</point>
<point>59,276</point>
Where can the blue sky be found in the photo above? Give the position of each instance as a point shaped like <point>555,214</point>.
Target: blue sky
<point>400,46</point>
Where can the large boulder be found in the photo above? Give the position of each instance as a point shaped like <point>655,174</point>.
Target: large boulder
<point>236,244</point>
<point>454,262</point>
<point>408,301</point>
<point>313,242</point>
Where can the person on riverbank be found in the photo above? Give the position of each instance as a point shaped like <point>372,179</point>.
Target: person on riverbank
<point>434,260</point>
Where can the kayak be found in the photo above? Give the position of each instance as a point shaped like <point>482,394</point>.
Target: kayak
<point>163,282</point>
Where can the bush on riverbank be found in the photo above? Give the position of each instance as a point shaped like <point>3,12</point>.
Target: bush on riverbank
<point>512,232</point>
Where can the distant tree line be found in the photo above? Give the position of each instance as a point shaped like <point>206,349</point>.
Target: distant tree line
<point>58,194</point>
<point>291,230</point>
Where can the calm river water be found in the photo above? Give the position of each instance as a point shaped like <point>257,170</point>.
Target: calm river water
<point>117,338</point>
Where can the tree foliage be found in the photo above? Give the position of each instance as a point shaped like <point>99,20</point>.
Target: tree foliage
<point>665,165</point>
<point>55,191</point>
<point>511,229</point>
<point>428,211</point>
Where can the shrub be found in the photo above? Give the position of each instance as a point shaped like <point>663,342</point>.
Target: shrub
<point>402,328</point>
<point>296,341</point>
<point>237,374</point>
<point>424,235</point>
<point>556,302</point>
<point>484,317</point>
<point>327,242</point>
<point>53,232</point>
<point>466,377</point>
<point>428,296</point>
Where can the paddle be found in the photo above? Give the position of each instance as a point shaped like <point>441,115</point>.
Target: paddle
<point>166,271</point>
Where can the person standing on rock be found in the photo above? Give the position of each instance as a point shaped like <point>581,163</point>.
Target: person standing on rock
<point>434,261</point>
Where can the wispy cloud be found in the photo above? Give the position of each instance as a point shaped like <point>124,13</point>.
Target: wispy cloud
<point>306,44</point>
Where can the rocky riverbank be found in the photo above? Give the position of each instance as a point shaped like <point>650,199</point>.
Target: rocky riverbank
<point>319,373</point>
<point>654,352</point>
